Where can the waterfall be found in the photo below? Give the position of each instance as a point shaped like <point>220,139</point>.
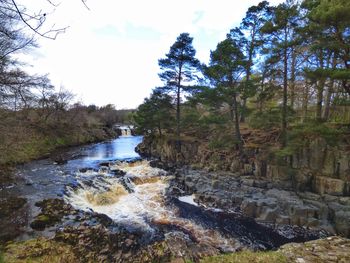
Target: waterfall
<point>137,201</point>
<point>125,130</point>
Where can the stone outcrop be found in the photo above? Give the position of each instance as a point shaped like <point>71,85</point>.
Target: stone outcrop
<point>266,203</point>
<point>310,188</point>
<point>332,249</point>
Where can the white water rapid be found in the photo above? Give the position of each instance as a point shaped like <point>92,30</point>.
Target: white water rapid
<point>137,200</point>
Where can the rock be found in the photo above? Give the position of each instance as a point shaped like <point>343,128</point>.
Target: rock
<point>85,170</point>
<point>117,172</point>
<point>249,208</point>
<point>106,164</point>
<point>52,212</point>
<point>268,215</point>
<point>13,216</point>
<point>332,249</point>
<point>342,222</point>
<point>60,159</point>
<point>39,250</point>
<point>103,219</point>
<point>327,185</point>
<point>282,220</point>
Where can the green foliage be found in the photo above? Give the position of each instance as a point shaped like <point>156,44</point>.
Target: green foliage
<point>226,65</point>
<point>214,119</point>
<point>190,118</point>
<point>267,119</point>
<point>155,113</point>
<point>302,133</point>
<point>222,142</point>
<point>341,101</point>
<point>328,27</point>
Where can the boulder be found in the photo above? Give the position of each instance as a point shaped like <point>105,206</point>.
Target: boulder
<point>326,185</point>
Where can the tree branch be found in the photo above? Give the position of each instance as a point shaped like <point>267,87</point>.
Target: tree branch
<point>41,20</point>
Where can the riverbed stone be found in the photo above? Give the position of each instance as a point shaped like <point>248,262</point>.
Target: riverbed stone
<point>52,212</point>
<point>13,216</point>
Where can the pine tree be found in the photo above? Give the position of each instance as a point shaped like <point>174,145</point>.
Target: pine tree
<point>155,113</point>
<point>178,69</point>
<point>227,63</point>
<point>281,31</point>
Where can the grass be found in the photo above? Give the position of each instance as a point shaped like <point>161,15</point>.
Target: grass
<point>2,257</point>
<point>248,257</point>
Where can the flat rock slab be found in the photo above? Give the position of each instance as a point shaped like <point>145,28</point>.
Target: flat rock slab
<point>330,249</point>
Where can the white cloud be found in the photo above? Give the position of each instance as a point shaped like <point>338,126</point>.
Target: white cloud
<point>109,54</point>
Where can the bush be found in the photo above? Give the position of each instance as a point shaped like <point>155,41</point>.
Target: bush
<point>269,118</point>
<point>224,142</point>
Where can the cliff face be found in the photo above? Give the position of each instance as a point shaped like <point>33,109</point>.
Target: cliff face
<point>310,188</point>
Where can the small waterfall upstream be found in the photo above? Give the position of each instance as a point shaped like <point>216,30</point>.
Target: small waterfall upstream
<point>125,130</point>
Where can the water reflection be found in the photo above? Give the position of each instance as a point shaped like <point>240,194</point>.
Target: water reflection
<point>121,148</point>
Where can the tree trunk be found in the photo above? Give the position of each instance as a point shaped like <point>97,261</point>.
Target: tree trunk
<point>236,121</point>
<point>320,89</point>
<point>248,75</point>
<point>328,100</point>
<point>292,80</point>
<point>159,130</point>
<point>329,94</point>
<point>178,93</point>
<point>285,96</point>
<point>305,103</point>
<point>243,112</point>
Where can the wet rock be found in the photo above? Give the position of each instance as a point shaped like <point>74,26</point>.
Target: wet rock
<point>52,212</point>
<point>117,172</point>
<point>103,219</point>
<point>167,166</point>
<point>13,216</point>
<point>85,170</point>
<point>60,159</point>
<point>106,164</point>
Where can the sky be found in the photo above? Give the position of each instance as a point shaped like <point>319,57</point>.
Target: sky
<point>109,52</point>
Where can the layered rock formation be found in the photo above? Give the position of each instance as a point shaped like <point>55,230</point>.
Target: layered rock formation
<point>311,188</point>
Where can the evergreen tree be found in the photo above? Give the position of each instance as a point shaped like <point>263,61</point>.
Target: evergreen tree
<point>251,40</point>
<point>227,63</point>
<point>155,113</point>
<point>329,27</point>
<point>281,31</point>
<point>178,69</point>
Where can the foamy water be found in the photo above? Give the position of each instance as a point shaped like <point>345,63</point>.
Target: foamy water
<point>137,199</point>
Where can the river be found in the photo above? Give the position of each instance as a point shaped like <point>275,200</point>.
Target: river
<point>110,178</point>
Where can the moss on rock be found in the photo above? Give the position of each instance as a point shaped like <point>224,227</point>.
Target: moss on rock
<point>39,250</point>
<point>52,212</point>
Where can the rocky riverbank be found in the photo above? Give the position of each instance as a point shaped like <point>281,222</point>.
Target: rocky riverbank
<point>98,209</point>
<point>309,189</point>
